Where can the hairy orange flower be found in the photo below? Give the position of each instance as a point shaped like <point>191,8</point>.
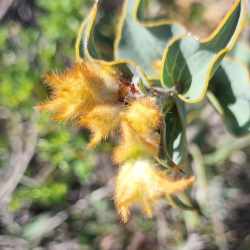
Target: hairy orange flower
<point>88,93</point>
<point>140,182</point>
<point>140,122</point>
<point>133,145</point>
<point>80,88</point>
<point>143,115</point>
<point>101,120</point>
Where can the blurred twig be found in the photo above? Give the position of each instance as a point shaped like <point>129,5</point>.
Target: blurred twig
<point>4,6</point>
<point>225,150</point>
<point>40,177</point>
<point>96,195</point>
<point>45,224</point>
<point>207,198</point>
<point>23,138</point>
<point>162,229</point>
<point>10,242</point>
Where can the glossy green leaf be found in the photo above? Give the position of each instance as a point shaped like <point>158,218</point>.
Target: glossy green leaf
<point>176,148</point>
<point>230,95</point>
<point>89,40</point>
<point>85,44</point>
<point>189,64</point>
<point>97,33</point>
<point>143,42</point>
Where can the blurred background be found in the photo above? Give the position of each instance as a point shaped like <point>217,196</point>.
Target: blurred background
<point>56,195</point>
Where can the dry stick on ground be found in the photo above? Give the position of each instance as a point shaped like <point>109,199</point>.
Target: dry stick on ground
<point>162,228</point>
<point>51,222</point>
<point>94,196</point>
<point>23,139</point>
<point>41,176</point>
<point>47,225</point>
<point>11,242</point>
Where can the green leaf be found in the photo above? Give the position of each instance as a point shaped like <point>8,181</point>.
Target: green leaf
<point>143,42</point>
<point>89,40</point>
<point>97,33</point>
<point>85,44</point>
<point>189,64</point>
<point>230,95</point>
<point>242,52</point>
<point>176,147</point>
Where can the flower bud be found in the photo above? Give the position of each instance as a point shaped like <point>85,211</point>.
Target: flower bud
<point>140,182</point>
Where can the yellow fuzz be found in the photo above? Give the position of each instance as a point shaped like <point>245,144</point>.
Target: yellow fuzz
<point>79,89</point>
<point>101,120</point>
<point>157,65</point>
<point>90,94</point>
<point>143,115</point>
<point>140,122</point>
<point>140,182</point>
<point>133,145</point>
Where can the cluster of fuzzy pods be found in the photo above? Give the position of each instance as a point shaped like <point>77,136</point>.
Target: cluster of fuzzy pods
<point>96,96</point>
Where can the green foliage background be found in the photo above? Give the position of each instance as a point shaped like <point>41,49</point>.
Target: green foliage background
<point>30,46</point>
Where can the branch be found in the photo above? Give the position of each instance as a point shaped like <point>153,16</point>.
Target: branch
<point>23,139</point>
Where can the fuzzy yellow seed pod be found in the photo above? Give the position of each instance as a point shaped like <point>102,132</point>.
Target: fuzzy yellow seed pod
<point>79,89</point>
<point>143,115</point>
<point>133,145</point>
<point>140,182</point>
<point>139,135</point>
<point>101,120</point>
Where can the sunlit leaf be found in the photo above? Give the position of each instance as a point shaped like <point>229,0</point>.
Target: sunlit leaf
<point>230,94</point>
<point>189,64</point>
<point>143,42</point>
<point>242,52</point>
<point>85,45</point>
